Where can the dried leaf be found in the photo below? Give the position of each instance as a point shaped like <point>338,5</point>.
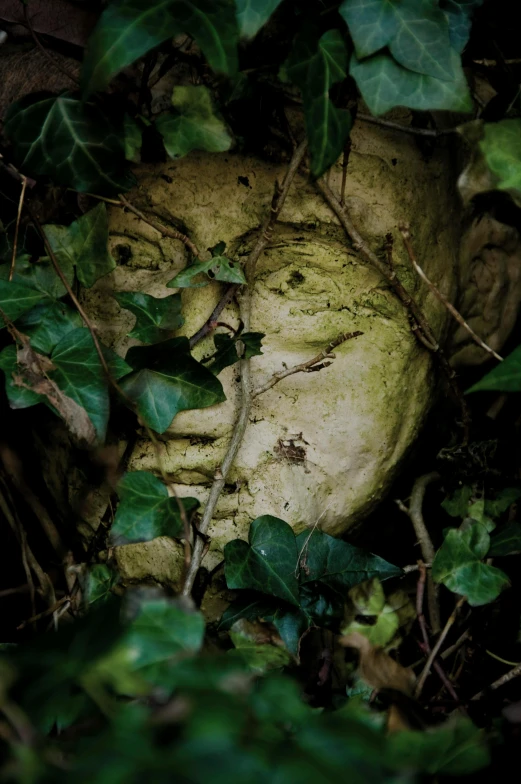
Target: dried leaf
<point>377,668</point>
<point>32,375</point>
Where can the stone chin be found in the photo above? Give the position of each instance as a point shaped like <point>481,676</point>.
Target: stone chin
<point>320,447</point>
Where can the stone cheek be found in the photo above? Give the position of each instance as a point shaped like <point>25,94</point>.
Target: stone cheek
<point>322,447</point>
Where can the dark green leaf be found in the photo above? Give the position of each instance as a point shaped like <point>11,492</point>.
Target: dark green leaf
<point>258,657</point>
<point>314,65</point>
<point>268,563</point>
<point>385,84</point>
<point>146,510</point>
<point>458,565</point>
<point>47,324</point>
<point>168,380</point>
<point>458,503</point>
<point>132,139</point>
<point>156,317</point>
<point>504,499</point>
<point>217,268</point>
<point>195,124</point>
<point>501,147</point>
<point>415,31</point>
<point>253,14</point>
<point>39,275</point>
<point>507,541</point>
<point>505,377</point>
<point>84,245</point>
<point>16,299</point>
<point>128,29</point>
<point>459,16</point>
<point>338,564</point>
<point>70,141</point>
<point>162,632</point>
<point>226,349</point>
<point>100,581</point>
<point>80,375</point>
<point>456,748</point>
<point>290,622</point>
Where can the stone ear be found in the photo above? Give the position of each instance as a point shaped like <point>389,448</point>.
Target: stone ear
<point>489,288</point>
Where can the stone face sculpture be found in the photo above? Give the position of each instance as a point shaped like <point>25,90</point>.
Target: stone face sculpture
<point>323,447</point>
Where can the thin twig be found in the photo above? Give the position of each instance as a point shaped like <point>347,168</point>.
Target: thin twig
<point>44,51</point>
<point>345,163</point>
<point>45,613</point>
<point>494,63</point>
<point>441,639</point>
<point>508,676</point>
<point>432,132</point>
<point>359,244</point>
<point>244,369</point>
<point>415,513</point>
<point>453,648</point>
<point>452,310</point>
<point>10,591</point>
<point>305,367</point>
<point>421,329</point>
<point>164,230</point>
<point>211,322</point>
<point>17,227</point>
<point>420,590</point>
<point>449,371</point>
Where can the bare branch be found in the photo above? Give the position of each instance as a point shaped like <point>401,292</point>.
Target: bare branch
<point>404,230</point>
<point>306,367</point>
<point>435,650</point>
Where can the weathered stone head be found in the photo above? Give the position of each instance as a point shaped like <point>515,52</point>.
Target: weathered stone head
<point>320,447</point>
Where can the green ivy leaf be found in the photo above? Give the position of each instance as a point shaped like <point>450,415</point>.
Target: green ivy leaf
<point>16,299</point>
<point>315,65</point>
<point>458,565</point>
<point>385,84</point>
<point>132,139</point>
<point>258,657</point>
<point>268,563</point>
<point>338,564</point>
<point>167,380</point>
<point>459,15</point>
<point>128,29</point>
<point>253,14</point>
<point>507,541</point>
<point>146,510</point>
<point>70,141</point>
<point>455,748</point>
<point>505,377</point>
<point>195,124</point>
<point>155,317</point>
<point>457,505</point>
<point>415,31</point>
<point>39,275</point>
<point>501,146</point>
<point>100,581</point>
<point>504,499</point>
<point>217,268</point>
<point>162,633</point>
<point>83,244</point>
<point>47,323</point>
<point>79,374</point>
<point>226,349</point>
<point>290,622</point>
